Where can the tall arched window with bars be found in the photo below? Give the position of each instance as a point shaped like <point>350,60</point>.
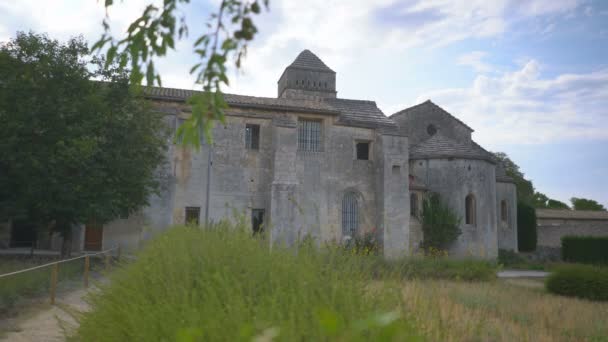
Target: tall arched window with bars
<point>350,215</point>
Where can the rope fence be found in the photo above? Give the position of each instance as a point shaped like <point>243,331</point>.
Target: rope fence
<point>55,268</point>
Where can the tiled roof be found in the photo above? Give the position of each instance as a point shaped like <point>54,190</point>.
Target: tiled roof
<point>360,113</point>
<point>439,147</point>
<point>351,112</point>
<point>428,105</point>
<point>174,94</point>
<point>571,214</point>
<point>308,60</point>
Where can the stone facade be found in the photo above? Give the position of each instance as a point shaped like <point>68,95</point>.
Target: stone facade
<point>316,165</point>
<point>553,224</point>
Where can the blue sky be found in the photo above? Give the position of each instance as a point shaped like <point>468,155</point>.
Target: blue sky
<point>531,77</point>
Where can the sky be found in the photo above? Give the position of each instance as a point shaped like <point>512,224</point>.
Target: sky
<point>530,77</point>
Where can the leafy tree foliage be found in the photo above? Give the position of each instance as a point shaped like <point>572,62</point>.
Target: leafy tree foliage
<point>555,204</point>
<point>72,149</point>
<point>525,189</point>
<point>586,204</point>
<point>440,226</point>
<point>155,32</point>
<point>526,227</point>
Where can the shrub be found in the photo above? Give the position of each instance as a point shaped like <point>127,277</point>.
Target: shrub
<point>508,257</point>
<point>526,227</point>
<point>219,283</point>
<point>439,224</point>
<point>585,249</point>
<point>366,244</point>
<point>582,281</point>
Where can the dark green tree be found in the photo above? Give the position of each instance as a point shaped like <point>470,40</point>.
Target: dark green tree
<point>440,226</point>
<point>72,150</point>
<point>525,188</point>
<point>555,204</point>
<point>586,204</point>
<point>154,33</point>
<point>526,192</point>
<point>526,227</point>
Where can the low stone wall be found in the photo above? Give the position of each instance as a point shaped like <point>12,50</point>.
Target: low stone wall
<point>550,231</point>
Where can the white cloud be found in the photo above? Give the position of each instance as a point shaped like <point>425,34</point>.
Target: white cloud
<point>474,60</point>
<point>522,107</point>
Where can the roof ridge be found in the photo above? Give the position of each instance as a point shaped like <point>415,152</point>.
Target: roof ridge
<point>411,107</point>
<point>403,111</point>
<point>308,60</point>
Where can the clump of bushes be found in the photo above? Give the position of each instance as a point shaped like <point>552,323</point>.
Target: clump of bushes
<point>585,249</point>
<point>526,227</point>
<point>220,283</point>
<point>440,225</point>
<point>582,281</point>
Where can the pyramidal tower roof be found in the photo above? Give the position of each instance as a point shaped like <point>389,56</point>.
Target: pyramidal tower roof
<point>308,60</point>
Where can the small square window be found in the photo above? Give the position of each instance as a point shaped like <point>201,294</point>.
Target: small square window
<point>252,137</point>
<point>363,150</point>
<point>192,215</point>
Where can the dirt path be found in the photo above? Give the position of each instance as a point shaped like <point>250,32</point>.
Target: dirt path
<point>49,323</point>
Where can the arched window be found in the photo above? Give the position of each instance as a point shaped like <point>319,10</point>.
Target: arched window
<point>350,214</point>
<point>470,210</point>
<point>413,205</point>
<point>503,211</point>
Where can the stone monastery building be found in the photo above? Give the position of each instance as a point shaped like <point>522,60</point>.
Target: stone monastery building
<point>311,163</point>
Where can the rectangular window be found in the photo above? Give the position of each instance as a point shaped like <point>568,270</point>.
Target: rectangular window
<point>192,215</point>
<point>252,137</point>
<point>257,220</point>
<point>362,150</point>
<point>309,135</point>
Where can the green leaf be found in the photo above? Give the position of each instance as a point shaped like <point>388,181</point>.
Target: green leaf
<point>110,56</point>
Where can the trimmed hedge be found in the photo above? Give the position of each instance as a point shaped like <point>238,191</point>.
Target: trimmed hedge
<point>585,249</point>
<point>582,281</point>
<point>526,227</point>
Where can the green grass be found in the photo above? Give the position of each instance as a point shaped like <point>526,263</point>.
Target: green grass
<point>222,284</point>
<point>32,283</point>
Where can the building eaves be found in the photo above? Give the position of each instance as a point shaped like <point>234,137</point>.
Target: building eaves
<point>441,147</point>
<point>571,214</point>
<point>243,101</point>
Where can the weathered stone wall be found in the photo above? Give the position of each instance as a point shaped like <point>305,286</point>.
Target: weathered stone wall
<point>298,83</point>
<point>507,229</point>
<point>550,231</point>
<point>414,124</point>
<point>454,180</point>
<point>392,194</point>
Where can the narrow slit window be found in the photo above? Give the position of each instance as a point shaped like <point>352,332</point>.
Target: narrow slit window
<point>413,205</point>
<point>257,220</point>
<point>503,211</point>
<point>350,215</point>
<point>192,215</point>
<point>470,210</point>
<point>362,150</point>
<point>252,137</point>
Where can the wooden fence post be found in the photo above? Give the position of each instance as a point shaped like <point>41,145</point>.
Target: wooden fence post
<point>86,271</point>
<point>54,273</point>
